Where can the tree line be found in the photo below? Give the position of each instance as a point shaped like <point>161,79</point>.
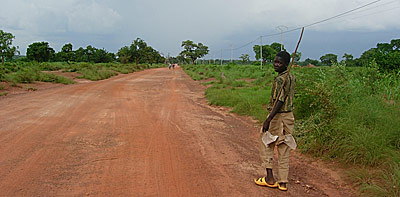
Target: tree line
<point>42,52</point>
<point>138,52</point>
<point>190,53</point>
<point>386,55</point>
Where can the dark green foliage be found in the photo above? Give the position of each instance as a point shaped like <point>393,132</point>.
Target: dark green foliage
<point>268,53</point>
<point>193,51</point>
<point>296,57</point>
<point>139,52</point>
<point>102,56</point>
<point>89,54</point>
<point>81,55</point>
<point>310,61</point>
<point>245,58</point>
<point>328,59</point>
<point>7,51</point>
<point>348,60</point>
<point>66,54</point>
<point>386,55</point>
<point>277,47</point>
<point>40,52</point>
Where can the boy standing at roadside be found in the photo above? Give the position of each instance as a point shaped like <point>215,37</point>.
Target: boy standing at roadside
<point>278,127</point>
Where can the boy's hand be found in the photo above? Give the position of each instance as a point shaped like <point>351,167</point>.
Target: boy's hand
<point>266,125</point>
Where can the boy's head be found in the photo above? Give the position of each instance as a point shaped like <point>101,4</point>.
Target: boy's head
<point>281,61</point>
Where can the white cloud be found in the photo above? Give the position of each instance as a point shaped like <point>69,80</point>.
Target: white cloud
<point>380,15</point>
<point>92,17</point>
<point>47,16</point>
<point>164,24</point>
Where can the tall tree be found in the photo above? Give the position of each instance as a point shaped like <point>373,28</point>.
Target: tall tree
<point>328,59</point>
<point>311,61</point>
<point>66,54</point>
<point>268,53</point>
<point>102,56</point>
<point>182,59</point>
<point>6,48</point>
<point>40,52</point>
<point>193,51</point>
<point>384,48</point>
<point>124,55</point>
<point>80,55</point>
<point>348,59</point>
<point>395,44</point>
<point>245,58</point>
<point>297,57</point>
<point>152,55</point>
<point>89,52</point>
<point>366,57</point>
<point>277,47</point>
<point>137,50</point>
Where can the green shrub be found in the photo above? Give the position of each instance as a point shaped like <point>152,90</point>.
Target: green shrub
<point>46,77</point>
<point>346,114</point>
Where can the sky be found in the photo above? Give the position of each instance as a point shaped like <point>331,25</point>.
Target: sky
<point>218,24</point>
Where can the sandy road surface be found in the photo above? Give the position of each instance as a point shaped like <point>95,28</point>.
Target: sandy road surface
<point>149,133</point>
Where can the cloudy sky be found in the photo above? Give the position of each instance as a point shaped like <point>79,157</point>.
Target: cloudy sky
<point>219,24</point>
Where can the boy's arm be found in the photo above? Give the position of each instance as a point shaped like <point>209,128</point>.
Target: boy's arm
<point>275,110</point>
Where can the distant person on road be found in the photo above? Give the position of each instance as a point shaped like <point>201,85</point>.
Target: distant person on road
<point>169,67</point>
<point>278,127</point>
<point>173,66</point>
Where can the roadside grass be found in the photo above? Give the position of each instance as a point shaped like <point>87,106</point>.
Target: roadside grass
<point>345,114</point>
<point>94,72</point>
<point>28,72</point>
<point>245,101</point>
<point>355,119</point>
<point>102,71</point>
<point>231,89</point>
<point>29,75</point>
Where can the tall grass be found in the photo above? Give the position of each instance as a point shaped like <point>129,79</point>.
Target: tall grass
<point>346,114</point>
<point>101,71</point>
<point>232,87</point>
<point>244,101</point>
<point>354,118</point>
<point>28,72</point>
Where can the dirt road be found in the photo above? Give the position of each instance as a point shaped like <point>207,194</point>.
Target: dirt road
<point>149,133</point>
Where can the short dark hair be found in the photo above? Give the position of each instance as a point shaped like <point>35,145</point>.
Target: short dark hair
<point>285,56</point>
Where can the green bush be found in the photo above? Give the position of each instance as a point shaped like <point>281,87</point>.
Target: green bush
<point>351,114</point>
<point>29,75</point>
<point>28,72</point>
<point>346,114</point>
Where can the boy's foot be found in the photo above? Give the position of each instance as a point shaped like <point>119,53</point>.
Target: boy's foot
<point>262,182</point>
<point>282,186</point>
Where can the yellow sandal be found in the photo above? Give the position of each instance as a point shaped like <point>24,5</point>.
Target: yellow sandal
<point>261,182</point>
<point>282,188</point>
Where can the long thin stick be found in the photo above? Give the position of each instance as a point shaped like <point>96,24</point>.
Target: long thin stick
<point>291,64</point>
